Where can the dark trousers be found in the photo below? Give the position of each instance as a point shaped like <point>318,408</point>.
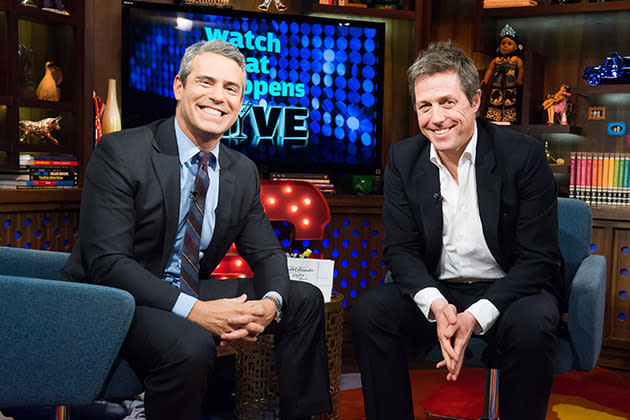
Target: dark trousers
<point>388,327</point>
<point>176,358</point>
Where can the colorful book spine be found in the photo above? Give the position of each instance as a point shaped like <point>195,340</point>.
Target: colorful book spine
<point>572,163</point>
<point>600,170</point>
<point>588,181</point>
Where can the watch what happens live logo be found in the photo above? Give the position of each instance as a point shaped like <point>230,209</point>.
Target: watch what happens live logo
<point>282,126</point>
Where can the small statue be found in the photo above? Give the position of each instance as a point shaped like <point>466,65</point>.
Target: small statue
<point>279,5</point>
<point>47,89</point>
<point>558,103</point>
<point>40,129</point>
<point>55,6</point>
<point>506,71</point>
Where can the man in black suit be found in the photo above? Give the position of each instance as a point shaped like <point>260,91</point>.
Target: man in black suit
<point>138,189</point>
<point>471,240</point>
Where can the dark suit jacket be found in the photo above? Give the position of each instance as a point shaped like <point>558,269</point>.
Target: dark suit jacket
<point>130,210</point>
<point>517,197</point>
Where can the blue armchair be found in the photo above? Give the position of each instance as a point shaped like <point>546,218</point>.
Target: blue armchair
<point>60,340</point>
<point>585,279</point>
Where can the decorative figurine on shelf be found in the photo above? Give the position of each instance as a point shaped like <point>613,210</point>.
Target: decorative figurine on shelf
<point>558,103</point>
<point>279,5</point>
<point>28,3</point>
<point>47,89</point>
<point>616,69</point>
<point>505,73</point>
<point>55,6</point>
<point>41,129</point>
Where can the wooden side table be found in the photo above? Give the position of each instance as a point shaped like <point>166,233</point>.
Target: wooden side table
<point>256,382</point>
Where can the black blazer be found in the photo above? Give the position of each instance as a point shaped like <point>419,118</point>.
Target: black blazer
<point>130,210</point>
<point>517,197</point>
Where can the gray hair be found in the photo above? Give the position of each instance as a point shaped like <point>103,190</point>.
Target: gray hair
<point>444,57</point>
<point>216,46</point>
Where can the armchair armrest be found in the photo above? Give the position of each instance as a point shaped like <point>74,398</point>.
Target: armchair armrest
<point>31,263</point>
<point>587,300</point>
<point>59,339</point>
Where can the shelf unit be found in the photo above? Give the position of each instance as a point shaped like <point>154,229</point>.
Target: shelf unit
<point>29,37</point>
<point>561,41</point>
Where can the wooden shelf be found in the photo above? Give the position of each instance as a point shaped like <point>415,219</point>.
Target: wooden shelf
<point>602,89</point>
<point>355,204</point>
<point>559,169</point>
<point>44,196</point>
<point>534,129</point>
<point>557,9</point>
<point>46,17</point>
<point>553,129</point>
<point>609,212</point>
<point>57,106</point>
<point>365,11</point>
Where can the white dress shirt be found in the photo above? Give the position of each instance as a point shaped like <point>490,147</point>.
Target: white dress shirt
<point>465,255</point>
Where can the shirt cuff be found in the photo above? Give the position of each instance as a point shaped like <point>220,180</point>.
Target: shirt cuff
<point>183,305</point>
<point>424,298</point>
<point>274,294</point>
<point>485,313</point>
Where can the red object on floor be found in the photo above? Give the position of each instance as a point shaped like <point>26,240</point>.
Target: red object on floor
<point>599,389</point>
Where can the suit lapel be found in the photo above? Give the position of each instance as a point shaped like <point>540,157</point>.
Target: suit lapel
<point>488,191</point>
<point>427,180</point>
<point>226,191</point>
<point>165,161</point>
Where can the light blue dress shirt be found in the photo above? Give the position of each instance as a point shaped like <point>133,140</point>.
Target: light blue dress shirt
<point>188,152</point>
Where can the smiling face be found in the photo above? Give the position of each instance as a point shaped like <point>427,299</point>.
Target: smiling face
<point>445,115</point>
<point>209,102</point>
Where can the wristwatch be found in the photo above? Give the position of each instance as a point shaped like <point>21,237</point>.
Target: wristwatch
<point>276,302</point>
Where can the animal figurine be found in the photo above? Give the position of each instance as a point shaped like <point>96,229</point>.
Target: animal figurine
<point>558,103</point>
<point>40,129</point>
<point>47,89</point>
<point>264,6</point>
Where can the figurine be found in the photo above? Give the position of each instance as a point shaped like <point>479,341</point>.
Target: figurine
<point>506,71</point>
<point>40,128</point>
<point>55,6</point>
<point>279,5</point>
<point>616,69</point>
<point>558,103</point>
<point>28,3</point>
<point>47,89</point>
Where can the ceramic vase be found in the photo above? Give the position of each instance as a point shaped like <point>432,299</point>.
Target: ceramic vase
<point>110,120</point>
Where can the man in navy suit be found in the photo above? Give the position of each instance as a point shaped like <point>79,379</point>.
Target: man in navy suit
<point>139,186</point>
<point>471,240</point>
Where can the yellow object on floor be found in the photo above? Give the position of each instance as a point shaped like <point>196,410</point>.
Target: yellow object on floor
<point>574,412</point>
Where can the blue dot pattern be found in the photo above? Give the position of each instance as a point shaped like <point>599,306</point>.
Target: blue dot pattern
<point>329,67</point>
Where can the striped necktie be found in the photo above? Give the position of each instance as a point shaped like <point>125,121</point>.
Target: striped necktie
<point>194,221</point>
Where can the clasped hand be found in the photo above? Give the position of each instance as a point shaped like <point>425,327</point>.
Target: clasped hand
<point>453,331</point>
<point>234,320</point>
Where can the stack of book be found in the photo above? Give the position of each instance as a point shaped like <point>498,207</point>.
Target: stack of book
<point>600,178</point>
<point>45,171</point>
<point>321,181</point>
<point>491,4</point>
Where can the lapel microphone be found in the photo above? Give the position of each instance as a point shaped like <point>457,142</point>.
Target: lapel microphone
<point>438,197</point>
<point>194,195</point>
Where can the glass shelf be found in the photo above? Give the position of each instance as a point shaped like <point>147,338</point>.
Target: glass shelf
<point>40,43</point>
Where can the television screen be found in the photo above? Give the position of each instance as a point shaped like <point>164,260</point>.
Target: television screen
<point>313,101</point>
